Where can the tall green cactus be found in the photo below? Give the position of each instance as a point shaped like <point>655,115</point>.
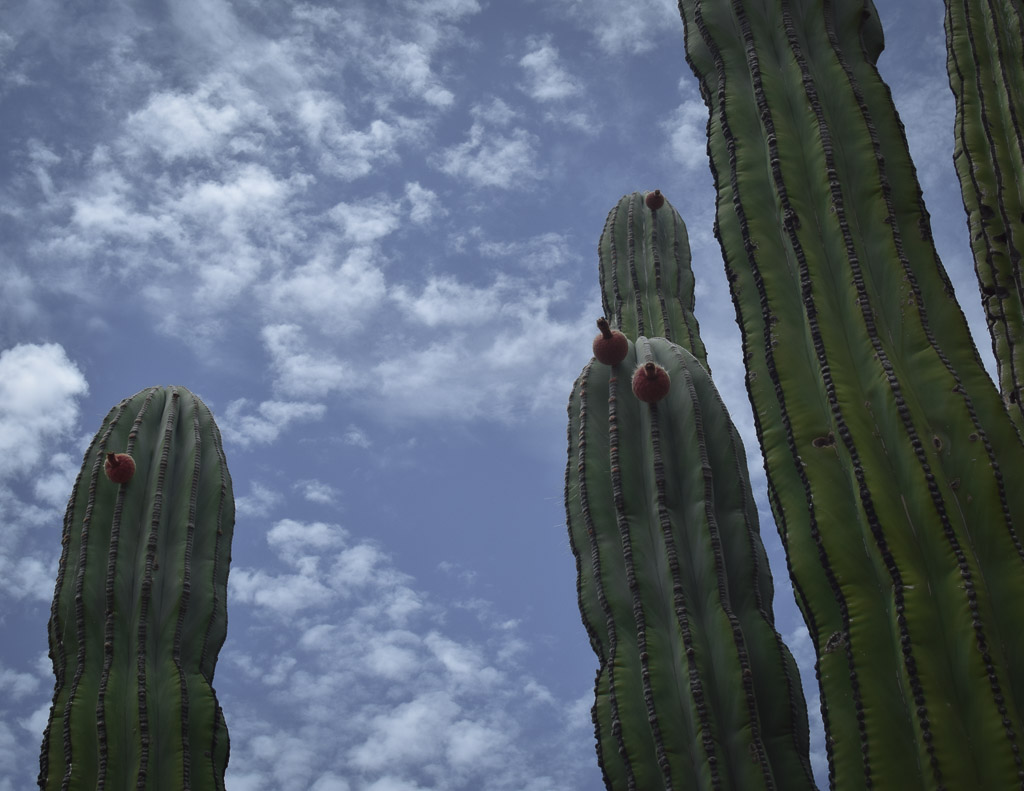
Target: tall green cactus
<point>139,611</point>
<point>695,688</point>
<point>891,460</point>
<point>985,48</point>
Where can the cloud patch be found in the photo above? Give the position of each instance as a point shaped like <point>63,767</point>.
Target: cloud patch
<point>39,391</point>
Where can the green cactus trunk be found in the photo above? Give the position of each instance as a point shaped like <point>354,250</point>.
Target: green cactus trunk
<point>890,456</point>
<point>985,48</point>
<point>139,611</point>
<point>695,688</point>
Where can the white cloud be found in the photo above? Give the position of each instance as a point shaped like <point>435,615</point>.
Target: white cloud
<point>258,502</point>
<point>17,685</point>
<point>356,436</point>
<point>302,371</point>
<point>329,294</point>
<point>271,418</point>
<point>446,301</point>
<point>488,159</point>
<point>28,577</point>
<point>39,392</point>
<point>686,128</point>
<point>540,254</point>
<point>318,492</point>
<point>639,31</point>
<point>547,79</point>
<point>367,221</point>
<point>423,203</point>
<point>174,125</point>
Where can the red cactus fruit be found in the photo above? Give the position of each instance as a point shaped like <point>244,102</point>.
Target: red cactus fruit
<point>654,200</point>
<point>119,467</point>
<point>650,382</point>
<point>611,346</point>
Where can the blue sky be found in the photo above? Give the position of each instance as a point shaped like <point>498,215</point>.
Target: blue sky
<point>367,238</point>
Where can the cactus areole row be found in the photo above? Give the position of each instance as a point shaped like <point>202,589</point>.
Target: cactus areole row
<point>139,611</point>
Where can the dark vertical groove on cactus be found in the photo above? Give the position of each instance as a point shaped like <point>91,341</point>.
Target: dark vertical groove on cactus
<point>142,616</point>
<point>870,401</point>
<point>985,62</point>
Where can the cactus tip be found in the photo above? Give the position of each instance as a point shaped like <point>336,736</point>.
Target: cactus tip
<point>654,200</point>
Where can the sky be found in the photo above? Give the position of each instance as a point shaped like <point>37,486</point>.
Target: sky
<point>366,235</point>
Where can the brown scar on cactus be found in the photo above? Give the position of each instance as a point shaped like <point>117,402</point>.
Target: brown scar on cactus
<point>119,467</point>
<point>650,382</point>
<point>654,200</point>
<point>610,346</point>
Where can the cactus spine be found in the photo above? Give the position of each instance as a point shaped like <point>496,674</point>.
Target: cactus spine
<point>985,49</point>
<point>694,688</point>
<point>886,445</point>
<point>139,611</point>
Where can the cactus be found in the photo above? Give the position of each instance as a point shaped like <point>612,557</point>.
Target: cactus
<point>985,49</point>
<point>695,688</point>
<point>139,611</point>
<point>645,275</point>
<point>889,453</point>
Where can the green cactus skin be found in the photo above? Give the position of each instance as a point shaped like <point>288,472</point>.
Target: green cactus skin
<point>695,688</point>
<point>890,457</point>
<point>645,274</point>
<point>139,611</point>
<point>985,61</point>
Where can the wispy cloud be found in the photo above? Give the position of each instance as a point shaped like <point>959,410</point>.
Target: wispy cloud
<point>490,159</point>
<point>244,427</point>
<point>423,707</point>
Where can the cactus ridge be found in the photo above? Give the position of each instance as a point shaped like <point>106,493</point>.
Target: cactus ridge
<point>984,62</point>
<point>695,687</point>
<point>884,441</point>
<point>143,611</point>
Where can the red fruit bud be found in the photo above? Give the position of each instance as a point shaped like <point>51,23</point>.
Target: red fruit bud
<point>119,467</point>
<point>654,200</point>
<point>650,382</point>
<point>611,346</point>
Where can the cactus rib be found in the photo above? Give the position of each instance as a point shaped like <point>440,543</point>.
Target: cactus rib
<point>985,63</point>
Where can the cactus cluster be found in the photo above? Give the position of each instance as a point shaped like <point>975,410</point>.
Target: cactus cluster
<point>139,611</point>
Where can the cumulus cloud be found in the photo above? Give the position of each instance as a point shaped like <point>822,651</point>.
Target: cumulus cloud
<point>686,131</point>
<point>424,707</point>
<point>302,372</point>
<point>490,159</point>
<point>423,203</point>
<point>39,392</point>
<point>262,427</point>
<point>547,80</point>
<point>639,31</point>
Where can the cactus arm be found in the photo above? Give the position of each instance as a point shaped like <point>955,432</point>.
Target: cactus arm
<point>985,54</point>
<point>139,629</point>
<point>695,689</point>
<point>883,440</point>
<point>647,283</point>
